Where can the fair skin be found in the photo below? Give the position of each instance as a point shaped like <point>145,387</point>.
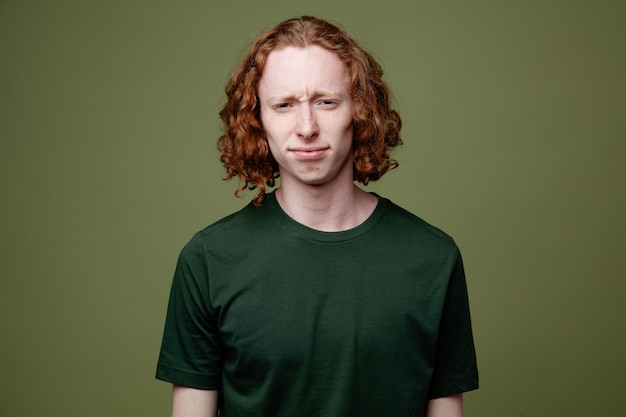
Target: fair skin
<point>306,110</point>
<point>450,406</point>
<point>190,402</point>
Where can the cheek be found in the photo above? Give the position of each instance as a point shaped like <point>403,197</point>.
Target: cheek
<point>271,144</point>
<point>275,128</point>
<point>348,123</point>
<point>274,147</point>
<point>337,124</point>
<point>348,131</point>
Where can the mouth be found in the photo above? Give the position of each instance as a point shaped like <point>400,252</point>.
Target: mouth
<point>309,153</point>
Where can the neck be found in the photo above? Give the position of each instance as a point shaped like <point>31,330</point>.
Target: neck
<point>328,209</point>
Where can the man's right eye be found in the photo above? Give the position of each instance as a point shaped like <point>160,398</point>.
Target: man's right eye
<point>282,106</point>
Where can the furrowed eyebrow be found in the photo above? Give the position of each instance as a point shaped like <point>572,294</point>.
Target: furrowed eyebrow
<point>314,96</point>
<point>281,99</point>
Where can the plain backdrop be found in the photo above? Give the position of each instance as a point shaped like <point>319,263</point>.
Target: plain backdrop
<point>515,144</point>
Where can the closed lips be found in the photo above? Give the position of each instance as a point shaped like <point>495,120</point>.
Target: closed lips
<point>309,152</point>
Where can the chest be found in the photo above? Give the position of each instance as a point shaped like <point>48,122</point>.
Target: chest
<point>309,305</point>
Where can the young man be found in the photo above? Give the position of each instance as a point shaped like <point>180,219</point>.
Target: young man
<point>317,299</point>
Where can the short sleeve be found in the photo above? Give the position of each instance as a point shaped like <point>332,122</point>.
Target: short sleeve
<point>191,353</point>
<point>455,362</point>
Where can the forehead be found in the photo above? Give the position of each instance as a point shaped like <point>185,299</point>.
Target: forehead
<point>301,71</point>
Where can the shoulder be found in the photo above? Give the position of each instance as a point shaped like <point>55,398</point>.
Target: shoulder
<point>414,230</point>
<point>235,231</point>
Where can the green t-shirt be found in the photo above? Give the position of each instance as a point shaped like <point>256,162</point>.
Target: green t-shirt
<point>291,321</point>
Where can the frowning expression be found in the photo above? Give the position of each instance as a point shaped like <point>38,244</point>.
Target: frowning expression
<point>306,111</point>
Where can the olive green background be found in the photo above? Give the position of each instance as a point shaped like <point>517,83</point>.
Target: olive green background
<point>515,143</point>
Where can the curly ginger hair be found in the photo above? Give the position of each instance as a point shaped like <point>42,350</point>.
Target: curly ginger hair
<point>244,149</point>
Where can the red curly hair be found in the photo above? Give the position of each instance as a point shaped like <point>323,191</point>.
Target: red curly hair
<point>244,150</point>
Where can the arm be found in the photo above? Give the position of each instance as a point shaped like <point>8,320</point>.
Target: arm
<point>451,406</point>
<point>191,402</point>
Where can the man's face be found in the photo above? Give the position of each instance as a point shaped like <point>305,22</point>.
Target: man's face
<point>306,110</point>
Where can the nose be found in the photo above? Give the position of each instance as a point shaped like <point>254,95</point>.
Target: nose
<point>307,127</point>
